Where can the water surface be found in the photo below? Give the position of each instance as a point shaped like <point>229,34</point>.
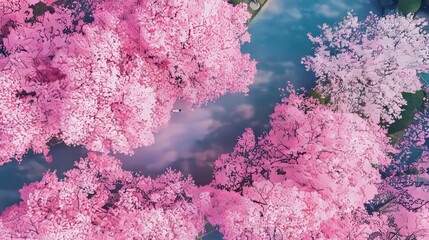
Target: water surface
<point>194,139</point>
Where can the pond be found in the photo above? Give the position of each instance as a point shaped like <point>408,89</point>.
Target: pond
<point>194,139</point>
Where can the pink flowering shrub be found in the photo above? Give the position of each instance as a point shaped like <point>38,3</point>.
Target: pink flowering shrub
<point>366,66</point>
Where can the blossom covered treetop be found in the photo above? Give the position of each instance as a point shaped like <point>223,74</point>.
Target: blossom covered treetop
<point>105,74</point>
<point>365,66</point>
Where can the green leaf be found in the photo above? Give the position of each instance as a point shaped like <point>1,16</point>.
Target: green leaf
<point>317,95</point>
<point>412,171</point>
<point>253,6</point>
<point>395,137</point>
<point>424,77</point>
<point>409,6</point>
<point>414,105</point>
<point>209,230</point>
<point>254,12</point>
<point>234,2</point>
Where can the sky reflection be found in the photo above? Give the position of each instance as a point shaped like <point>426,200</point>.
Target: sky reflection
<point>194,139</point>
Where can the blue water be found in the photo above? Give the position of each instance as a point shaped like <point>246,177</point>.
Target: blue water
<point>194,139</point>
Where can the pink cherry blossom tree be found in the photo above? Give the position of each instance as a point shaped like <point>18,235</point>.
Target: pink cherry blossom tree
<point>30,99</point>
<point>404,192</point>
<point>364,67</point>
<point>99,200</point>
<point>315,175</point>
<point>309,176</point>
<point>105,74</point>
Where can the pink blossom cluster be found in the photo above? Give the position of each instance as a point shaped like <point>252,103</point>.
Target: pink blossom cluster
<point>404,192</point>
<point>366,66</point>
<point>99,200</point>
<point>309,175</point>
